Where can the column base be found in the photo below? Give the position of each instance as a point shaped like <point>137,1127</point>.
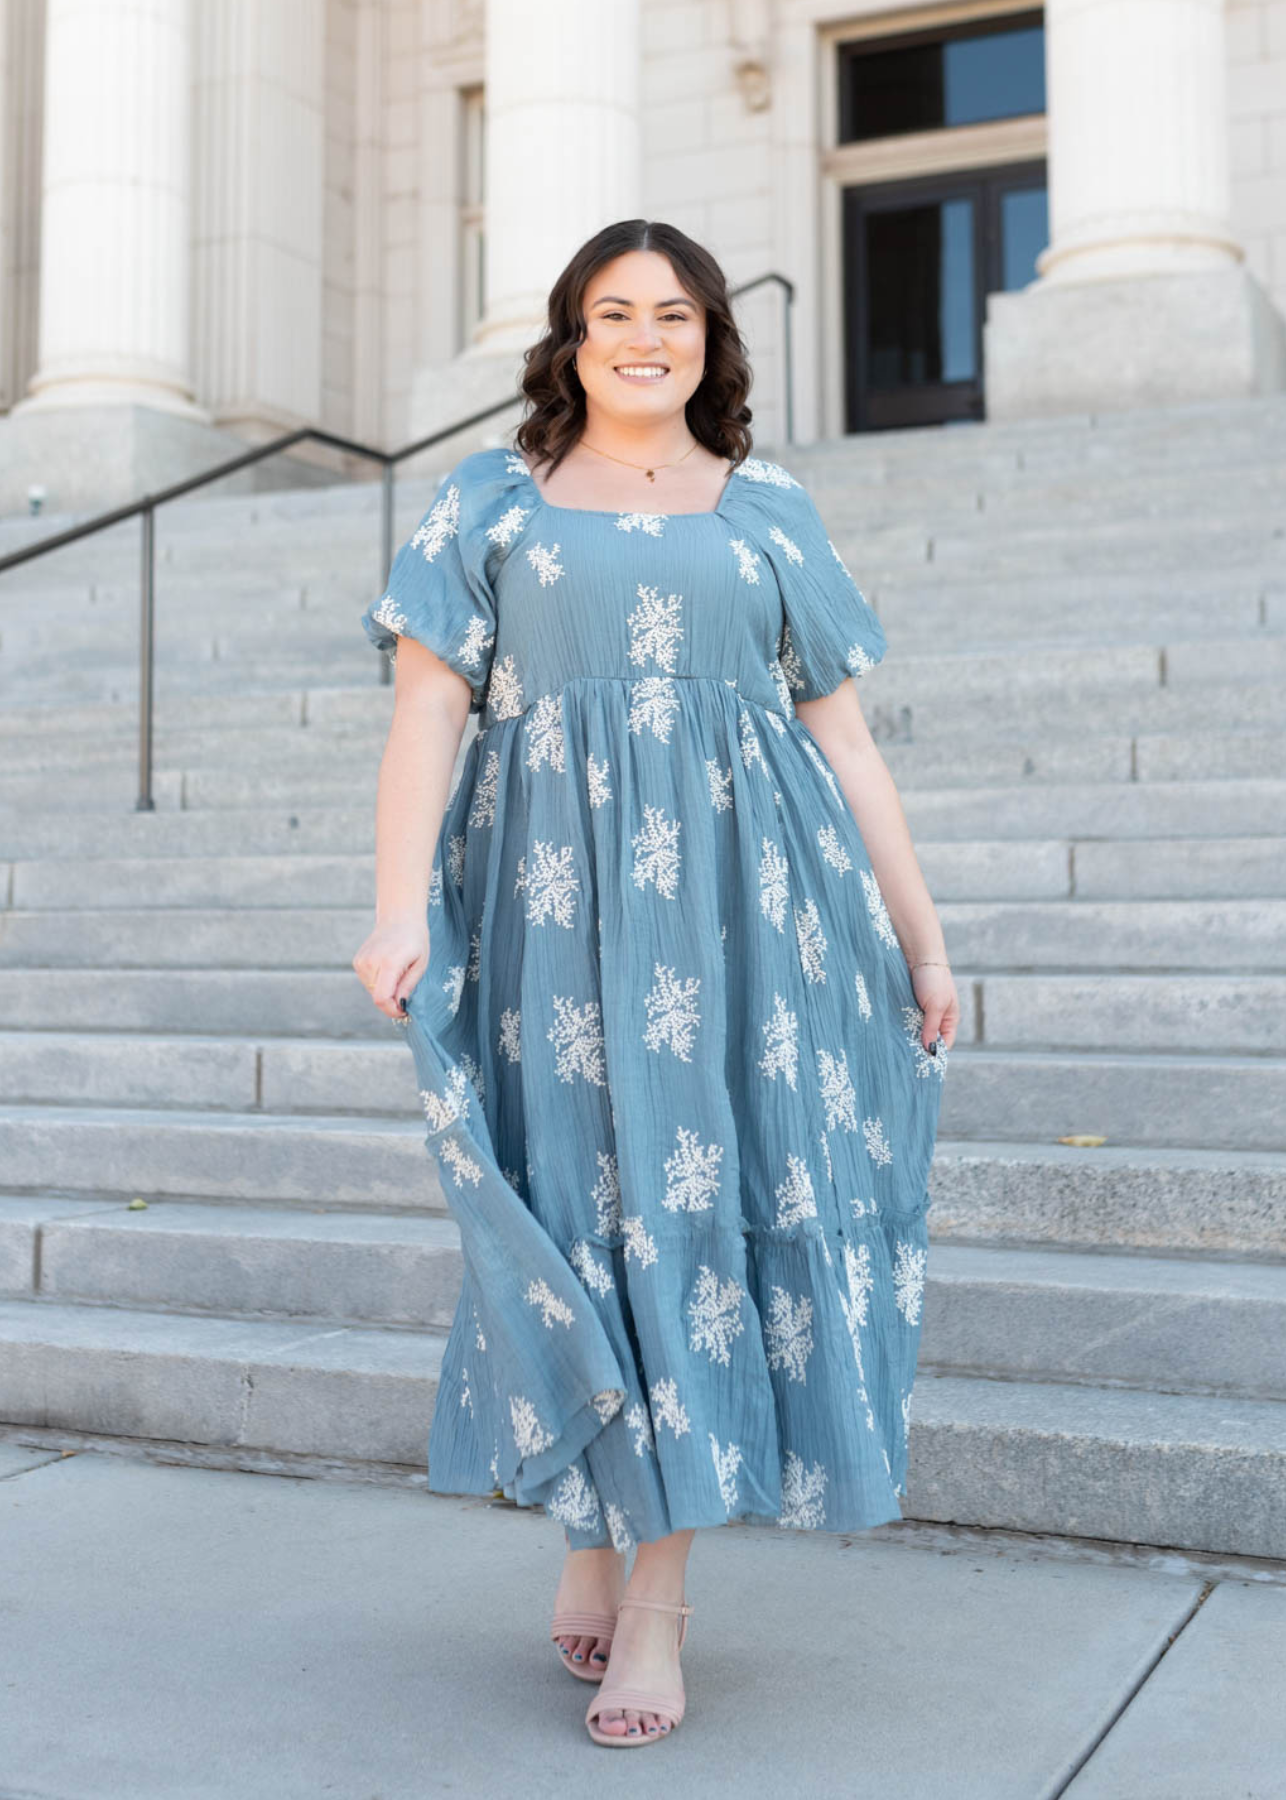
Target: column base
<point>90,458</point>
<point>1146,340</point>
<point>450,391</point>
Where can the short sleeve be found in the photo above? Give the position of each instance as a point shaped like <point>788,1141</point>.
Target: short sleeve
<point>830,629</point>
<point>439,587</point>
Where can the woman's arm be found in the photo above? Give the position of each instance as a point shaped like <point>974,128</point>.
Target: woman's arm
<point>838,724</point>
<point>430,711</point>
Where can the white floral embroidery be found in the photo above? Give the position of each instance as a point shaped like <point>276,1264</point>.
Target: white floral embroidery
<point>529,1434</point>
<point>714,1308</point>
<point>812,940</point>
<point>596,780</point>
<point>877,1144</point>
<point>638,1422</point>
<point>863,1209</point>
<point>857,1270</point>
<point>790,662</point>
<point>755,468</point>
<point>453,987</point>
<point>908,1280</point>
<point>455,858</point>
<point>863,998</point>
<point>802,1505</point>
<point>483,809</point>
<point>837,1091</point>
<point>439,525</point>
<point>793,552</point>
<point>857,661</point>
<point>726,1463</point>
<point>552,886</point>
<point>552,1309</point>
<point>435,883</point>
<point>475,641</point>
<point>774,890</point>
<point>925,1064</point>
<point>474,969</point>
<point>666,1407</point>
<point>834,852</point>
<point>654,701</point>
<point>458,1160</point>
<point>637,1242</point>
<point>544,730</point>
<point>840,560</point>
<point>606,1194</point>
<point>782,1053</point>
<point>672,1012</point>
<point>782,686</point>
<point>747,560</point>
<point>443,1110</point>
<point>587,1266</point>
<point>830,1176</point>
<point>656,851</point>
<point>788,1332</point>
<point>654,627</point>
<point>691,1174</point>
<point>544,560</point>
<point>577,1037</point>
<point>509,1042</point>
<point>651,523</point>
<point>618,1526</point>
<point>466,1398</point>
<point>574,1502</point>
<point>607,1403</point>
<point>507,526</point>
<point>504,691</point>
<point>720,785</point>
<point>389,614</point>
<point>751,749</point>
<point>878,911</point>
<point>795,1197</point>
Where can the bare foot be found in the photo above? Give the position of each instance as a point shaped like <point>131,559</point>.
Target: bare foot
<point>591,1581</point>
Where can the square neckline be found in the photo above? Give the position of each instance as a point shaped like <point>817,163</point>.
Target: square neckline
<point>619,512</point>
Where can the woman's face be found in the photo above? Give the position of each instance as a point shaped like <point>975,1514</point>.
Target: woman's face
<point>638,315</point>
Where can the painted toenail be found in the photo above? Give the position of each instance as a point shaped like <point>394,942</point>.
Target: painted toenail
<point>578,1657</point>
<point>651,1727</point>
<point>634,1730</point>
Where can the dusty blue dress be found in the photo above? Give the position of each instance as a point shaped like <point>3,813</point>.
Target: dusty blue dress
<point>666,1043</point>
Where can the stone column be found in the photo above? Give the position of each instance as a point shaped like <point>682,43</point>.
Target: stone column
<point>114,287</point>
<point>1143,296</point>
<point>563,158</point>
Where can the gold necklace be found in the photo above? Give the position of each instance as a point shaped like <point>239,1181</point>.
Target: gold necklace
<point>650,473</point>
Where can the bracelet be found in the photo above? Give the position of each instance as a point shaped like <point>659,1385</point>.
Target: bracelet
<point>929,963</point>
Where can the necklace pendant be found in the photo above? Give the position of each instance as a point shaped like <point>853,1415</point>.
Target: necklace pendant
<point>650,475</point>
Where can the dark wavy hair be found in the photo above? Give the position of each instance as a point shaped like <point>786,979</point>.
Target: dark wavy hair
<point>717,414</point>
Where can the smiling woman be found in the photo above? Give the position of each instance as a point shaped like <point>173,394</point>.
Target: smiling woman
<point>680,1080</point>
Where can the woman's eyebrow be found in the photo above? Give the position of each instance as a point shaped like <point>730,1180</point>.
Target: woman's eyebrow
<point>617,300</point>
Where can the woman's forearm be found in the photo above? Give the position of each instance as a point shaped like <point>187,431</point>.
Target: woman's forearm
<point>868,787</point>
<point>414,781</point>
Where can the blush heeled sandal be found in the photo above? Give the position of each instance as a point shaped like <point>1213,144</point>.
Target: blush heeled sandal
<point>583,1624</point>
<point>617,1696</point>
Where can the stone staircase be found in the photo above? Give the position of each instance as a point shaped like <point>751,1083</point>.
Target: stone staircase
<point>1082,709</point>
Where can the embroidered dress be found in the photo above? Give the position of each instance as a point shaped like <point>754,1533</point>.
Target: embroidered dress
<point>666,1044</point>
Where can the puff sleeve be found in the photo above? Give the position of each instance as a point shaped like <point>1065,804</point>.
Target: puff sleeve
<point>439,587</point>
<point>830,629</point>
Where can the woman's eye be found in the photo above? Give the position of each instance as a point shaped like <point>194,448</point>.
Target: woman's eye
<point>681,317</point>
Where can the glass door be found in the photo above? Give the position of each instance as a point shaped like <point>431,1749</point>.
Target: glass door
<point>920,257</point>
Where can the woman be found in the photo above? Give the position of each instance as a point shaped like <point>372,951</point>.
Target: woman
<point>686,993</point>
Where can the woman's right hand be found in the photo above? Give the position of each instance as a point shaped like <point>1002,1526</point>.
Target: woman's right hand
<point>391,962</point>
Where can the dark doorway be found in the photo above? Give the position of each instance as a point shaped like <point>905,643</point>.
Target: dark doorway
<point>920,257</point>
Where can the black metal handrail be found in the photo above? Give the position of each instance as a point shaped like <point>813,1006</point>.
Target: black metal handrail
<point>145,509</point>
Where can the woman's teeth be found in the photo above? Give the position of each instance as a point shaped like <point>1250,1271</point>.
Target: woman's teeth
<point>632,372</point>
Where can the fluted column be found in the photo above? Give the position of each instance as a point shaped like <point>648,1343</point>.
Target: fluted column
<point>1142,296</point>
<point>563,147</point>
<point>1138,139</point>
<point>114,285</point>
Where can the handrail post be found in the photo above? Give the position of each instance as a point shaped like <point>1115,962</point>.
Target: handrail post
<point>147,617</point>
<point>386,547</point>
<point>788,297</point>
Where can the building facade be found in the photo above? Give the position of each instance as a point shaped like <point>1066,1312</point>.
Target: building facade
<point>220,219</point>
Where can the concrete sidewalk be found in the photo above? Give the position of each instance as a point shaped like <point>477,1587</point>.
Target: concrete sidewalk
<point>168,1632</point>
